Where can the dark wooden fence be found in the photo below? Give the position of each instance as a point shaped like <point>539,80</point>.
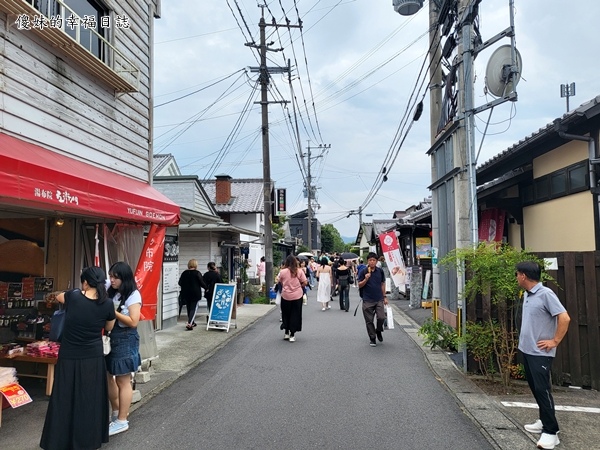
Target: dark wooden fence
<point>578,357</point>
<point>577,360</point>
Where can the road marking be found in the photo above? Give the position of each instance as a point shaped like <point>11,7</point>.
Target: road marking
<point>557,407</point>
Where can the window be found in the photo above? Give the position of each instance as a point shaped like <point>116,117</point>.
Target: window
<point>558,184</point>
<point>578,178</point>
<point>570,180</point>
<point>86,30</point>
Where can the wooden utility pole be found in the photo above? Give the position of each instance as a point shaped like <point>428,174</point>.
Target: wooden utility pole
<point>264,78</point>
<point>309,192</point>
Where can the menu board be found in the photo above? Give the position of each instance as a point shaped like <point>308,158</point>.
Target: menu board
<point>43,284</point>
<point>15,290</point>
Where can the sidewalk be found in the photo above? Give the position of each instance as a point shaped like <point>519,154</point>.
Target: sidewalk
<point>180,351</point>
<point>501,421</point>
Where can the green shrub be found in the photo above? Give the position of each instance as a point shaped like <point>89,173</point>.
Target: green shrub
<point>438,334</point>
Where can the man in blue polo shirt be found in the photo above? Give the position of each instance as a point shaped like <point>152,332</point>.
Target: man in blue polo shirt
<point>545,323</point>
<point>372,283</point>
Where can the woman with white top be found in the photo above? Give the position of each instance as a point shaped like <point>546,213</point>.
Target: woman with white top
<point>324,278</point>
<point>124,358</point>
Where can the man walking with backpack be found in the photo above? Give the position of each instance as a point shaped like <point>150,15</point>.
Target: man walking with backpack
<point>372,283</point>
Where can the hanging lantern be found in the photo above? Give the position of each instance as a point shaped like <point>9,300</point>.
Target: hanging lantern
<point>407,7</point>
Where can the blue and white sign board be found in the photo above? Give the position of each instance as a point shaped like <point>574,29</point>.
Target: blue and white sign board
<point>223,302</point>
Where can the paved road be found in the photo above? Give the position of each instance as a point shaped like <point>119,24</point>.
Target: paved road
<point>328,390</point>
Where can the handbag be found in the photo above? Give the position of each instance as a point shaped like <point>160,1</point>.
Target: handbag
<point>57,324</point>
<point>106,344</point>
<point>350,278</point>
<point>278,298</point>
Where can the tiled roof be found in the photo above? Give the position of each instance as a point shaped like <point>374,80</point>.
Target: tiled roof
<point>542,132</point>
<point>246,195</point>
<point>382,226</point>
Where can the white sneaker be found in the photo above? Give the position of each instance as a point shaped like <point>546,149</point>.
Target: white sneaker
<point>117,427</point>
<point>293,339</point>
<point>535,427</point>
<point>324,309</point>
<point>548,441</point>
<point>286,336</point>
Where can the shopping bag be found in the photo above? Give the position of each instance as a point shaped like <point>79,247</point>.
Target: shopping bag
<point>106,348</point>
<point>278,298</point>
<point>390,318</point>
<point>57,323</point>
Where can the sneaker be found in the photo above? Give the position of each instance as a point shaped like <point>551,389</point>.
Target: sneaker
<point>286,336</point>
<point>117,427</point>
<point>535,427</point>
<point>548,441</point>
<point>323,309</point>
<point>379,336</point>
<point>373,343</point>
<point>293,339</point>
<point>328,307</point>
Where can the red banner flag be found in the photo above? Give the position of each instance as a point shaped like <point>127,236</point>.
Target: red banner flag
<point>393,258</point>
<point>147,273</point>
<point>491,225</point>
<point>96,249</point>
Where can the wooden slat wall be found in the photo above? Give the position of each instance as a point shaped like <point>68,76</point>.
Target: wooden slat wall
<point>577,358</point>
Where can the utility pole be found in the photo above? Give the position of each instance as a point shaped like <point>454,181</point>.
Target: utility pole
<point>264,102</point>
<point>435,106</point>
<point>309,189</point>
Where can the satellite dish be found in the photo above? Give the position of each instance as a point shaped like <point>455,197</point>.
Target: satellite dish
<point>498,72</point>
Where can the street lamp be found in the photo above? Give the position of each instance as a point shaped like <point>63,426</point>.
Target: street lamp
<point>407,7</point>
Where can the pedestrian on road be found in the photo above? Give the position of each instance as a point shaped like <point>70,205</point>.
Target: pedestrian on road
<point>544,325</point>
<point>211,277</point>
<point>124,357</point>
<point>343,284</point>
<point>77,414</point>
<point>293,280</point>
<point>191,283</point>
<point>372,283</point>
<point>261,270</point>
<point>324,279</point>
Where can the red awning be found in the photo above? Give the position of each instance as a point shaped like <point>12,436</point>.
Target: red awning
<point>35,177</point>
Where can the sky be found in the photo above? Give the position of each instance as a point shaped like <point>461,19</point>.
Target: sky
<point>356,68</point>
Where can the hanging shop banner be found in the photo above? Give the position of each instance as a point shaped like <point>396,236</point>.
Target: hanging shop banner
<point>171,253</point>
<point>223,302</point>
<point>491,225</point>
<point>281,202</point>
<point>394,260</point>
<point>423,247</point>
<point>148,271</point>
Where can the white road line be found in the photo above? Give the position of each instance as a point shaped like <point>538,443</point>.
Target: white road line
<point>557,407</point>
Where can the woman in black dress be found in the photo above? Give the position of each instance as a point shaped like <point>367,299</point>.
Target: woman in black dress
<point>77,415</point>
<point>191,283</point>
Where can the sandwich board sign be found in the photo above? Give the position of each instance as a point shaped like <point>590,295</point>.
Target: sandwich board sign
<point>223,302</point>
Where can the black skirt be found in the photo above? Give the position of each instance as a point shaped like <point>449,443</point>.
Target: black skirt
<point>77,415</point>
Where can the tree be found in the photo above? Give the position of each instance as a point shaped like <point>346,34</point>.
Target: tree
<point>331,240</point>
<point>489,269</point>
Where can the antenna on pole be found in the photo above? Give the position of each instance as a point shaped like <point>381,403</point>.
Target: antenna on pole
<point>567,90</point>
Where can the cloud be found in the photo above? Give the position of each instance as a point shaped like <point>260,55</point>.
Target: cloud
<point>363,61</point>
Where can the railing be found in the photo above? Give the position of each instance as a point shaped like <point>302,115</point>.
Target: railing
<point>60,16</point>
